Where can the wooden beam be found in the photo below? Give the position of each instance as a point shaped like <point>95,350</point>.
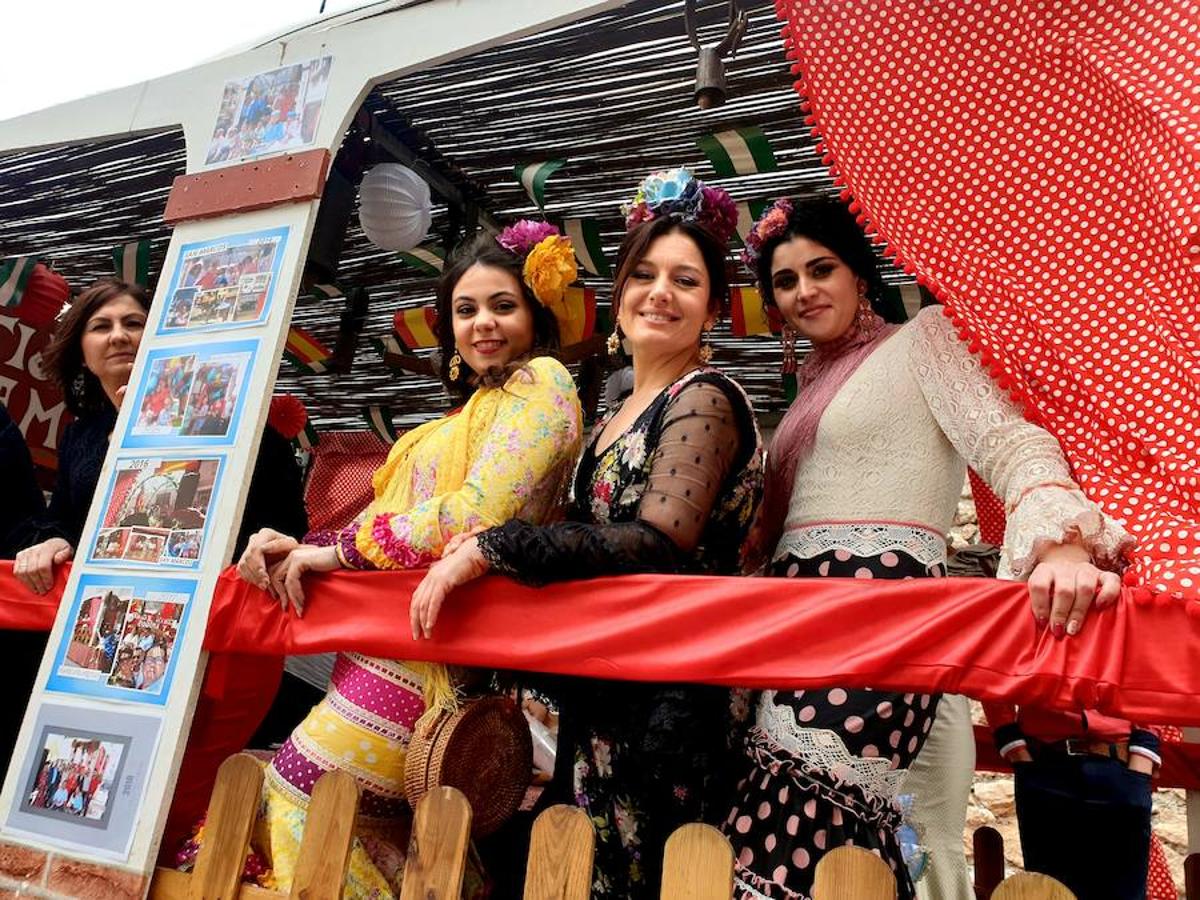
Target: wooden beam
<point>253,185</point>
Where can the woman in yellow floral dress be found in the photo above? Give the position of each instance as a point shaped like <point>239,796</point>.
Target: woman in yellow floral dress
<point>508,452</point>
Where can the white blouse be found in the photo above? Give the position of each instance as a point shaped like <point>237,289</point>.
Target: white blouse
<point>888,462</point>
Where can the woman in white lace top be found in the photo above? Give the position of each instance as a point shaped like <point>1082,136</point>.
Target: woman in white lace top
<point>863,480</point>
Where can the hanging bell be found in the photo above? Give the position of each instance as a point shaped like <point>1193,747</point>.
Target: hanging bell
<point>710,79</point>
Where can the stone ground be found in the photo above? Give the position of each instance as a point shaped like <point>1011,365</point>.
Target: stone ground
<point>992,796</point>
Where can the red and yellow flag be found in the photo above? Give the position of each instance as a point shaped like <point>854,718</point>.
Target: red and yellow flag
<point>414,327</point>
<point>580,323</point>
<point>750,315</point>
<point>305,352</point>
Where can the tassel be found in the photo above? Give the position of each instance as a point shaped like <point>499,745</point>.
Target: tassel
<point>441,696</point>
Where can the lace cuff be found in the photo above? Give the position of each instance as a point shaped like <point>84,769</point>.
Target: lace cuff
<point>1052,516</point>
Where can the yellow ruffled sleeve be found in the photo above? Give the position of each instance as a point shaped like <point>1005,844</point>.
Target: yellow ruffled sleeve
<point>531,443</point>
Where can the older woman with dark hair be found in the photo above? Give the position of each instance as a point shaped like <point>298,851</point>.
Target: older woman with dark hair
<point>670,483</point>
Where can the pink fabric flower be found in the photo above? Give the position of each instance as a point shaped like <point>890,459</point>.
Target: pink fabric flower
<point>521,237</point>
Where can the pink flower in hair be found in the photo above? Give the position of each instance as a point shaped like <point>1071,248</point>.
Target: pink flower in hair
<point>521,237</point>
<point>718,213</point>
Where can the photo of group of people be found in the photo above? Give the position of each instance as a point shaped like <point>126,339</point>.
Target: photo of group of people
<point>122,640</point>
<point>226,282</point>
<point>156,511</point>
<point>270,112</point>
<point>191,393</point>
<point>76,775</point>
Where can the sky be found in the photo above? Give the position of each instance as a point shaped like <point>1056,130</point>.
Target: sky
<point>57,50</point>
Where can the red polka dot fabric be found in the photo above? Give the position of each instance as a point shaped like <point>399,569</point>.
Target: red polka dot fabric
<point>1037,166</point>
<point>339,485</point>
<point>1159,883</point>
<point>989,511</point>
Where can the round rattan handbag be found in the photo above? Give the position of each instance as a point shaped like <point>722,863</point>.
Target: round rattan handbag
<point>484,749</point>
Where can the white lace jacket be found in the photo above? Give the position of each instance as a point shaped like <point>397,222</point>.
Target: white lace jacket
<point>888,463</point>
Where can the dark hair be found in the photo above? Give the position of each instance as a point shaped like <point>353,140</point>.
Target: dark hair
<point>637,243</point>
<point>484,251</point>
<point>62,359</point>
<point>830,224</point>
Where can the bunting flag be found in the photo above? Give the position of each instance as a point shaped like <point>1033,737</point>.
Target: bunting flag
<point>428,258</point>
<point>533,177</point>
<point>307,438</point>
<point>14,276</point>
<point>380,419</point>
<point>749,315</point>
<point>388,344</point>
<point>414,327</point>
<point>131,262</point>
<point>740,151</point>
<point>748,213</point>
<point>305,352</point>
<point>581,316</point>
<point>326,292</point>
<point>585,236</point>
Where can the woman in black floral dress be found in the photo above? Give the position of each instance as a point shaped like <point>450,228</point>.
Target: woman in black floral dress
<point>669,483</point>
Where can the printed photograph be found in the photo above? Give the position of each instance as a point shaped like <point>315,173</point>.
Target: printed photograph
<point>75,775</point>
<point>270,112</point>
<point>95,633</point>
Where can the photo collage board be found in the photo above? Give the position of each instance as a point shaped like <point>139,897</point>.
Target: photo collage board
<point>113,666</point>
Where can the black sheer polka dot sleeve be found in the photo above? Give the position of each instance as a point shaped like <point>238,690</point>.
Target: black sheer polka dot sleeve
<point>699,440</point>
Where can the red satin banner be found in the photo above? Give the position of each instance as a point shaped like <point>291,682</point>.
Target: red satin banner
<point>969,636</point>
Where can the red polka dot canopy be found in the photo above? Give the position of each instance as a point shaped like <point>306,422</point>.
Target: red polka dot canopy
<point>1037,166</point>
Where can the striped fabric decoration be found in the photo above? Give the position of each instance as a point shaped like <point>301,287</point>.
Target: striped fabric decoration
<point>380,419</point>
<point>428,258</point>
<point>581,322</point>
<point>749,315</point>
<point>14,276</point>
<point>748,213</point>
<point>740,151</point>
<point>533,177</point>
<point>131,262</point>
<point>414,327</point>
<point>307,438</point>
<point>388,345</point>
<point>305,352</point>
<point>585,236</point>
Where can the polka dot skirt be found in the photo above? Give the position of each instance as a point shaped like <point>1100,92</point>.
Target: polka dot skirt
<point>1038,168</point>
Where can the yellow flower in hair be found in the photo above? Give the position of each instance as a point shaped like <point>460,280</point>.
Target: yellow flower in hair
<point>549,270</point>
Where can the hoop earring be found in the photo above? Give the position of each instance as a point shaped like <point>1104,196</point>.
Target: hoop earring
<point>613,344</point>
<point>455,362</point>
<point>706,349</point>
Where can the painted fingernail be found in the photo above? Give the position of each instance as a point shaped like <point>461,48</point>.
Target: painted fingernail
<point>1041,620</point>
<point>1057,629</point>
<point>1073,627</point>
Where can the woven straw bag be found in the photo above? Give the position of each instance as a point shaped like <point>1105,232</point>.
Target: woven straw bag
<point>484,749</point>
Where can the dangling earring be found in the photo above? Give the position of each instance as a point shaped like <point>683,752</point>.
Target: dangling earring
<point>865,312</point>
<point>788,369</point>
<point>706,350</point>
<point>613,344</point>
<point>455,362</point>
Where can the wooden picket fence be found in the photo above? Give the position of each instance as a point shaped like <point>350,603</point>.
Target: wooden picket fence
<point>697,860</point>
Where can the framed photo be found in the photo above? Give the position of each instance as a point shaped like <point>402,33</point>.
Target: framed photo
<point>191,395</point>
<point>271,112</point>
<point>82,778</point>
<point>156,511</point>
<point>226,282</point>
<point>122,638</point>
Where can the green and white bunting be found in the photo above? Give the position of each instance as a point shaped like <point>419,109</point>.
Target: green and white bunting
<point>533,177</point>
<point>308,438</point>
<point>585,236</point>
<point>14,275</point>
<point>748,213</point>
<point>326,292</point>
<point>380,420</point>
<point>131,262</point>
<point>388,345</point>
<point>740,151</point>
<point>429,258</point>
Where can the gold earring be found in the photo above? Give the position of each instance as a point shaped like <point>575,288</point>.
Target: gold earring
<point>455,362</point>
<point>613,344</point>
<point>706,350</point>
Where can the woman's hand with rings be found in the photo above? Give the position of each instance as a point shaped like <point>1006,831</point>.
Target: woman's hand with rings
<point>465,564</point>
<point>286,574</point>
<point>1065,585</point>
<point>34,566</point>
<point>264,543</point>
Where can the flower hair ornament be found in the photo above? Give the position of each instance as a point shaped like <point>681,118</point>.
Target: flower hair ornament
<point>549,262</point>
<point>772,223</point>
<point>678,193</point>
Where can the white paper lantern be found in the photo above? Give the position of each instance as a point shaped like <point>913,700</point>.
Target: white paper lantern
<point>394,207</point>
